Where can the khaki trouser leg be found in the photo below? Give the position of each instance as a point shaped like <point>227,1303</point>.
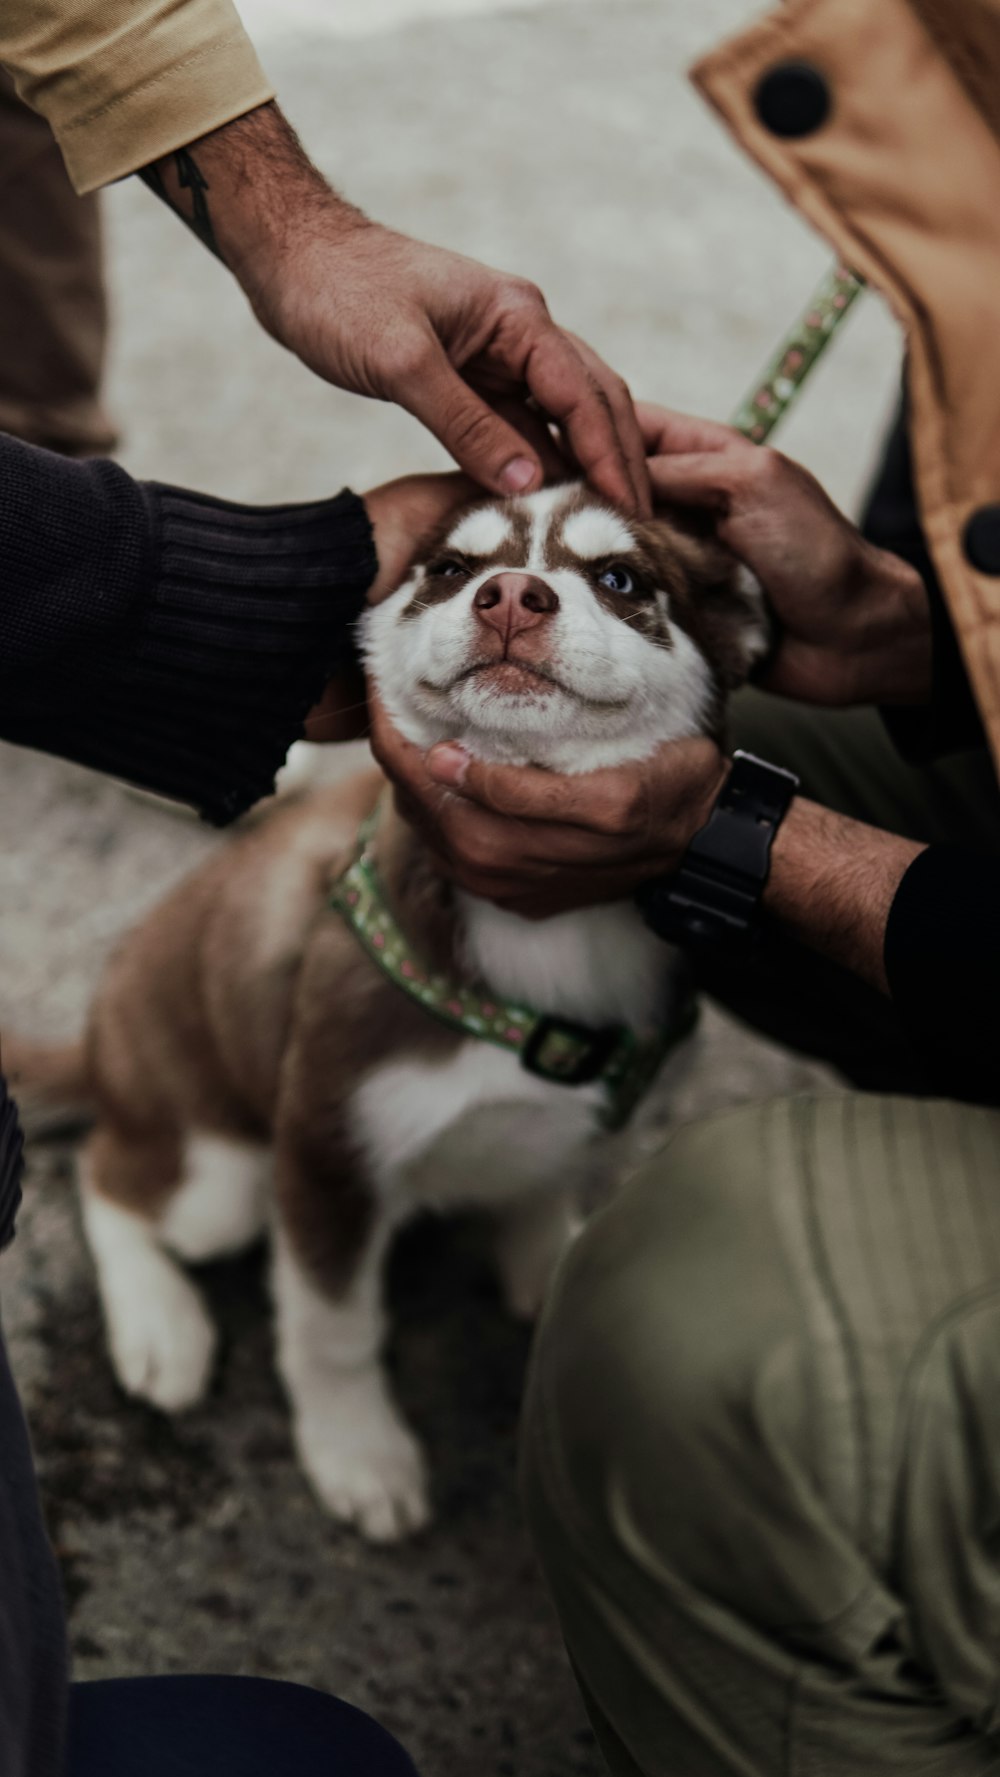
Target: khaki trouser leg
<point>53,312</point>
<point>762,1447</point>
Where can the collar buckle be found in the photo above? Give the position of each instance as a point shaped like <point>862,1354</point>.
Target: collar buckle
<point>569,1054</point>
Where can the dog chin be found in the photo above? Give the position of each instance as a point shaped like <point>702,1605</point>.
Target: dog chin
<point>557,731</point>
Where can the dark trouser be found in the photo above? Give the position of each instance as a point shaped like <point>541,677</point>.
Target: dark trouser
<point>143,1727</point>
<point>762,1437</point>
<point>223,1727</point>
<point>53,312</point>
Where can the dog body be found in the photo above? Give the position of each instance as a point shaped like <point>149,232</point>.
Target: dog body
<point>252,1065</point>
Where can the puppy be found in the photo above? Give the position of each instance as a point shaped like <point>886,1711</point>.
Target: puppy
<point>252,1065</point>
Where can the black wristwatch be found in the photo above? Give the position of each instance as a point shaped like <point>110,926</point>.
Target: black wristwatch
<point>714,898</point>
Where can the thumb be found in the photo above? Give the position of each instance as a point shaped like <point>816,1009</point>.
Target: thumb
<point>486,446</point>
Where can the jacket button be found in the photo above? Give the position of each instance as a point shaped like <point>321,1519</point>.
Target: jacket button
<point>982,539</point>
<point>792,99</point>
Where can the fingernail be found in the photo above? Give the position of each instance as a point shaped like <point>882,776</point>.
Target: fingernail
<point>448,763</point>
<point>519,473</point>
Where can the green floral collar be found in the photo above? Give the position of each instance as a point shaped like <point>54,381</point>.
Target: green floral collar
<point>625,1061</point>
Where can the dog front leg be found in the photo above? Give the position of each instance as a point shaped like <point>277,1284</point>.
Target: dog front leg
<point>363,1461</point>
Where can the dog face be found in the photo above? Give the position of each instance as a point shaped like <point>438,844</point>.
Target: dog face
<point>550,630</point>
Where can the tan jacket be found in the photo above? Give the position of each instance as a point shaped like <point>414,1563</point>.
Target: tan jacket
<point>124,81</point>
<point>902,176</point>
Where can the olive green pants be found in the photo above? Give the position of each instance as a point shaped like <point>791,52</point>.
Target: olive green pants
<point>761,1449</point>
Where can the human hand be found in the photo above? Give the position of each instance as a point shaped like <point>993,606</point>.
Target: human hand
<point>462,347</point>
<point>854,621</point>
<point>404,515</point>
<point>473,353</point>
<point>539,844</point>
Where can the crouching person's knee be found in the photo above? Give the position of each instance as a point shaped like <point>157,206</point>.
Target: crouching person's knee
<point>667,1460</point>
<point>664,1365</point>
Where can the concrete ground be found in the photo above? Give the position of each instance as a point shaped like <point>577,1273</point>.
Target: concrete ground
<point>559,140</point>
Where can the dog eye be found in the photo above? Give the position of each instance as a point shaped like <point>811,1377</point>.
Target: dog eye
<point>448,569</point>
<point>617,578</point>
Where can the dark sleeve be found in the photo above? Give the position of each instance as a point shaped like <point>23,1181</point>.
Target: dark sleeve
<point>942,959</point>
<point>950,723</point>
<point>165,637</point>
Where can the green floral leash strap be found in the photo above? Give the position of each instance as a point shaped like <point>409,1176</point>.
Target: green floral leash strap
<point>625,1061</point>
<point>773,395</point>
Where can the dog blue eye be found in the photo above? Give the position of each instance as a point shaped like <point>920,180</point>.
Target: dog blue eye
<point>617,579</point>
<point>448,570</point>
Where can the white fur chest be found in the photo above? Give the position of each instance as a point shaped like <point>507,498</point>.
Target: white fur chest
<point>599,965</point>
<point>474,1129</point>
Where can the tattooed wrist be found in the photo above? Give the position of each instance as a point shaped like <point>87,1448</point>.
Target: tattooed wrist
<point>248,190</point>
<point>192,187</point>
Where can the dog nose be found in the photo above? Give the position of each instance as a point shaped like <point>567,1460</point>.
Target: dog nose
<point>513,602</point>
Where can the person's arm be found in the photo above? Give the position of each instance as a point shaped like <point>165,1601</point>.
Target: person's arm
<point>172,89</point>
<point>473,353</point>
<point>176,640</point>
<point>832,885</point>
<point>916,922</point>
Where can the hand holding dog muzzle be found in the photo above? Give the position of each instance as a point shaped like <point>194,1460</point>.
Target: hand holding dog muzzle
<point>538,843</point>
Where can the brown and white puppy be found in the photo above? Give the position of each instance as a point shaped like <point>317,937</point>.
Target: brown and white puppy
<point>250,1066</point>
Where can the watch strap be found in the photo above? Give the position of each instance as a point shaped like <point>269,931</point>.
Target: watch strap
<point>714,896</point>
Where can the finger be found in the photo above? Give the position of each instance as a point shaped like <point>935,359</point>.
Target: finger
<point>401,761</point>
<point>564,388</point>
<point>611,801</point>
<point>484,843</point>
<point>570,890</point>
<point>664,432</point>
<point>626,422</point>
<point>521,413</point>
<point>482,443</point>
<point>404,514</point>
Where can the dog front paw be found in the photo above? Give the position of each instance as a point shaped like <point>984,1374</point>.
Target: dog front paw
<point>162,1342</point>
<point>368,1471</point>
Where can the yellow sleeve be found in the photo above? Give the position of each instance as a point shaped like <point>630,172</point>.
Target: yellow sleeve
<point>123,81</point>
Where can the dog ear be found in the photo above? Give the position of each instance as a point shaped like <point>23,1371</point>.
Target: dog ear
<point>713,596</point>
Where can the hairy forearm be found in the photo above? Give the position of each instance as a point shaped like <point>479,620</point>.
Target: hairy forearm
<point>243,188</point>
<point>832,883</point>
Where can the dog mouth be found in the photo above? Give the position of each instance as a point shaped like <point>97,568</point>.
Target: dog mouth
<point>514,677</point>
